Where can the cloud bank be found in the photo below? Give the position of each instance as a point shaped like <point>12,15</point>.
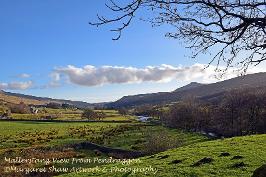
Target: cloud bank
<point>16,85</point>
<point>97,76</point>
<point>93,76</point>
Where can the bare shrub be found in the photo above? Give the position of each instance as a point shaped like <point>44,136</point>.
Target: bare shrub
<point>160,141</point>
<point>20,108</point>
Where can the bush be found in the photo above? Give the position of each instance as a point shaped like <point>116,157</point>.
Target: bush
<point>67,106</point>
<point>20,108</point>
<point>92,115</point>
<point>123,111</point>
<point>4,111</point>
<point>160,141</point>
<point>54,105</point>
<point>50,116</point>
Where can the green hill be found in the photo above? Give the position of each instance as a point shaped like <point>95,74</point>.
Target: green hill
<point>232,157</point>
<point>16,98</point>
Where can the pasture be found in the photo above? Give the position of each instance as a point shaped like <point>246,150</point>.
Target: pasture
<point>31,139</point>
<point>69,114</point>
<point>232,157</point>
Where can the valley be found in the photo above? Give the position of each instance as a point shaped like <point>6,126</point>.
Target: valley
<point>162,133</point>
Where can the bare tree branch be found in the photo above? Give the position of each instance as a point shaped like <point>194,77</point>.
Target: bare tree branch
<point>236,27</point>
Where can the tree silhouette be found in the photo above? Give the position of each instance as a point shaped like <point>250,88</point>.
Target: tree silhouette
<point>236,29</point>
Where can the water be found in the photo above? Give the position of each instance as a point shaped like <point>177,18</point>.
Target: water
<point>143,118</point>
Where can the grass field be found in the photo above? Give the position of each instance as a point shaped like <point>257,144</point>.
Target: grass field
<point>119,135</point>
<point>32,139</point>
<point>190,154</point>
<point>233,157</point>
<point>18,134</point>
<point>69,114</point>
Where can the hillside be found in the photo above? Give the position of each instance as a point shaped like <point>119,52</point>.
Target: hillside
<point>232,157</point>
<point>16,99</point>
<point>206,91</point>
<point>189,86</point>
<point>29,99</point>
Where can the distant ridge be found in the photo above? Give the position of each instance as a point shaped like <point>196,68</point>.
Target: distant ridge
<point>210,92</point>
<point>189,86</point>
<point>203,91</point>
<point>29,99</point>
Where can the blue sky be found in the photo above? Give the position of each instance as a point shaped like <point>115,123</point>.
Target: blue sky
<point>36,37</point>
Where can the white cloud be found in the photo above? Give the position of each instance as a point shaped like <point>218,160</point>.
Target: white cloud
<point>93,76</point>
<point>16,85</point>
<point>55,78</point>
<point>23,75</point>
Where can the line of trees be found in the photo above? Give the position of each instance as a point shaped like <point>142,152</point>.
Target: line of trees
<point>240,112</point>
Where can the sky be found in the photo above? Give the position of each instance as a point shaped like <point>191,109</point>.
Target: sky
<point>47,48</point>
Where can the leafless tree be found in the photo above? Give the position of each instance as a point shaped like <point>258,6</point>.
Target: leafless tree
<point>236,29</point>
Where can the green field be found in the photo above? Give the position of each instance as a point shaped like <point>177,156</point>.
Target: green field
<point>49,139</point>
<point>69,114</point>
<point>233,157</point>
<point>18,134</point>
<point>119,135</point>
<point>170,151</point>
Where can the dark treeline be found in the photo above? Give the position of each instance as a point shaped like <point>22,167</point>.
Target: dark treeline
<point>238,112</point>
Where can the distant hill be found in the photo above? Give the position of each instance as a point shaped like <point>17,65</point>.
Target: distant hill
<point>189,86</point>
<point>29,99</point>
<point>203,91</point>
<point>210,92</point>
<point>9,98</point>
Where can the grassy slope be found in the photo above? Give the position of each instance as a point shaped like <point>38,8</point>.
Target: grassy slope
<point>27,134</point>
<point>17,100</point>
<point>252,148</point>
<point>19,139</point>
<point>136,139</point>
